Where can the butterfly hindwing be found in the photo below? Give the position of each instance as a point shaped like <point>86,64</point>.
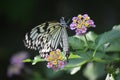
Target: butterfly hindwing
<point>44,37</point>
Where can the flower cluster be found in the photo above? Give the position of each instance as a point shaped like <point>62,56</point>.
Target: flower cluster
<point>81,23</point>
<point>16,63</point>
<point>55,60</point>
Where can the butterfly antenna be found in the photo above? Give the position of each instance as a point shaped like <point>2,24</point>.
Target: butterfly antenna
<point>68,21</point>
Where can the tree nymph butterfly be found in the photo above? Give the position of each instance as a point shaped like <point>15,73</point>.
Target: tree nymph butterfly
<point>47,37</point>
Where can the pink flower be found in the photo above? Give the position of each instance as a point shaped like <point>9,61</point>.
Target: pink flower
<point>61,64</point>
<point>18,58</point>
<point>85,16</point>
<point>54,67</point>
<point>13,70</point>
<point>78,31</point>
<point>81,23</point>
<point>16,63</point>
<point>83,29</point>
<point>73,26</point>
<point>55,60</point>
<point>49,65</point>
<point>74,18</point>
<point>91,23</point>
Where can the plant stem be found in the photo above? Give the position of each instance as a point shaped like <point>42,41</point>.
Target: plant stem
<point>86,41</point>
<point>89,47</point>
<point>94,52</point>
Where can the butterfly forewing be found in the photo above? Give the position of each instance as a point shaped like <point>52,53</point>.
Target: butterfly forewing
<point>44,37</point>
<point>47,37</point>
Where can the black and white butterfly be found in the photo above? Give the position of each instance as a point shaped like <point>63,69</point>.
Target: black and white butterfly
<point>47,37</point>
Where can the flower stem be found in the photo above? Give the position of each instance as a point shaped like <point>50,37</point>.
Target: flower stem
<point>89,47</point>
<point>86,41</point>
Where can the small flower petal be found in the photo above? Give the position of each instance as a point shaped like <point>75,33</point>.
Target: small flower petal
<point>90,22</point>
<point>73,26</point>
<point>61,64</point>
<point>86,17</point>
<point>78,31</point>
<point>49,65</point>
<point>58,51</point>
<point>93,25</point>
<point>79,26</point>
<point>54,67</point>
<point>55,62</point>
<point>83,29</point>
<point>75,18</point>
<point>86,24</point>
<point>52,53</point>
<point>79,16</point>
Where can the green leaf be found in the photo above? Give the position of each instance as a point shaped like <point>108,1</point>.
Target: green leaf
<point>27,60</point>
<point>37,59</point>
<point>91,36</point>
<point>94,70</point>
<point>99,57</point>
<point>89,72</point>
<point>118,77</point>
<point>75,42</point>
<point>51,74</point>
<point>86,55</point>
<point>75,62</point>
<point>73,56</point>
<point>113,46</point>
<point>109,36</point>
<point>79,42</point>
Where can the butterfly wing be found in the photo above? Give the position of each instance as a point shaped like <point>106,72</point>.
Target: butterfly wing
<point>44,37</point>
<point>47,36</point>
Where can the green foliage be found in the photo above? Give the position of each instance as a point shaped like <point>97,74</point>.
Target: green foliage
<point>27,60</point>
<point>97,51</point>
<point>35,60</point>
<point>108,37</point>
<point>94,70</point>
<point>76,43</point>
<point>113,46</point>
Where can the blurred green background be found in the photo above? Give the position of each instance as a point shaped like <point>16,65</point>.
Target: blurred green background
<point>19,16</point>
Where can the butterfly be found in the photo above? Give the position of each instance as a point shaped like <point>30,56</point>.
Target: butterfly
<point>47,37</point>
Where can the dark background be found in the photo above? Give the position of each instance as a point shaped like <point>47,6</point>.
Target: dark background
<point>19,16</point>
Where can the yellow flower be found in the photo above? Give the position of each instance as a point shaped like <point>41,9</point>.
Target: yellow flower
<point>52,53</point>
<point>58,51</point>
<point>79,16</point>
<point>86,24</point>
<point>87,18</point>
<point>79,26</point>
<point>55,62</point>
<point>60,58</point>
<point>48,59</point>
<point>55,56</point>
<point>74,21</point>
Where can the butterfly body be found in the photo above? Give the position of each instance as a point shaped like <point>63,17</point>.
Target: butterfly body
<point>47,37</point>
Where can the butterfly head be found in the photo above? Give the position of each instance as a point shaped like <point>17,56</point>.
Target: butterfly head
<point>62,22</point>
